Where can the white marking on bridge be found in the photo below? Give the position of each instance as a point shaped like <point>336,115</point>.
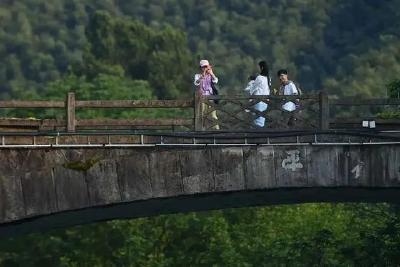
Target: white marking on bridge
<point>292,162</point>
<point>357,169</point>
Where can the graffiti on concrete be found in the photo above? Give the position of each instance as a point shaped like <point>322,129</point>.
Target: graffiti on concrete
<point>357,170</point>
<point>292,161</point>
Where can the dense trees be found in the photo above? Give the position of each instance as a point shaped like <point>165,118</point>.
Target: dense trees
<point>307,235</point>
<point>347,47</point>
<point>160,57</point>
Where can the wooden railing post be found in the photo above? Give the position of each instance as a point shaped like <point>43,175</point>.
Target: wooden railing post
<point>71,112</point>
<point>198,116</point>
<point>323,111</point>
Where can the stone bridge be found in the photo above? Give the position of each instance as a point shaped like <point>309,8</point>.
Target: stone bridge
<point>50,187</point>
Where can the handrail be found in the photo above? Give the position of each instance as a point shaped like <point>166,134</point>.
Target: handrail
<point>135,104</point>
<point>367,102</point>
<point>99,104</point>
<point>32,104</point>
<point>71,104</point>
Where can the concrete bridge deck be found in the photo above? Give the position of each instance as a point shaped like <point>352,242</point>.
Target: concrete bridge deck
<point>63,184</point>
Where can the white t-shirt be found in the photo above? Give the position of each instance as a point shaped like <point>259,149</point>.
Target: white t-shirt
<point>289,89</point>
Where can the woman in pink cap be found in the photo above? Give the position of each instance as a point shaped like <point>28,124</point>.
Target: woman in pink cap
<point>204,82</point>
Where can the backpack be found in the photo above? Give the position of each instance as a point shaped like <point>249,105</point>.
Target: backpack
<point>215,91</point>
<point>299,91</point>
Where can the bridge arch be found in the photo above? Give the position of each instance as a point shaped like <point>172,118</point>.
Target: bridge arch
<point>78,185</point>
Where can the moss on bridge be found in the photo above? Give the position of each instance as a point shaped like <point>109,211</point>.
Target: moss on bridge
<point>81,165</point>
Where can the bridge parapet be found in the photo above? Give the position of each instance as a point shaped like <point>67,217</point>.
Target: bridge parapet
<point>235,113</point>
<point>80,185</point>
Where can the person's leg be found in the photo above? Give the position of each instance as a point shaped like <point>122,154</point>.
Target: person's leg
<point>260,120</point>
<point>214,116</point>
<point>291,120</point>
<point>204,108</point>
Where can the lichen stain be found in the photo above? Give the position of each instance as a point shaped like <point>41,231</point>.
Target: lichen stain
<point>81,165</point>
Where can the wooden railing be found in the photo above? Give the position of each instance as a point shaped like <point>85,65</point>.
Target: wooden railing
<point>234,113</point>
<point>71,122</point>
<point>352,112</point>
<point>239,112</point>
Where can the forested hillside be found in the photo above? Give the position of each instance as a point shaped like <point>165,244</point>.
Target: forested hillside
<point>306,235</point>
<point>348,47</point>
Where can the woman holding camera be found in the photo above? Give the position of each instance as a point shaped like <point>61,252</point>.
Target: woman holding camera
<point>204,82</point>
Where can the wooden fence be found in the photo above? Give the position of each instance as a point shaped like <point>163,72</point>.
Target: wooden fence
<point>235,113</point>
<point>71,122</point>
<point>239,112</point>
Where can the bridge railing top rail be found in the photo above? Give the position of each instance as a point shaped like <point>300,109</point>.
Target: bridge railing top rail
<point>353,101</point>
<point>99,104</point>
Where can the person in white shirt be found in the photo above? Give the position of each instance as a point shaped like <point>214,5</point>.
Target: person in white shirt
<point>260,86</point>
<point>287,88</point>
<point>251,80</point>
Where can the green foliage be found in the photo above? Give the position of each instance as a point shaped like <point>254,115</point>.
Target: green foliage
<point>324,44</point>
<point>102,87</point>
<point>158,56</point>
<point>296,235</point>
<point>106,87</point>
<point>393,91</point>
<point>393,88</point>
<point>390,114</point>
<point>46,40</point>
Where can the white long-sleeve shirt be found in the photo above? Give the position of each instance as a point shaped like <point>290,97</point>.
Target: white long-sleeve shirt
<point>260,86</point>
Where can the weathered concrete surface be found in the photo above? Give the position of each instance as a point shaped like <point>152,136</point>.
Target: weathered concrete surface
<point>42,189</point>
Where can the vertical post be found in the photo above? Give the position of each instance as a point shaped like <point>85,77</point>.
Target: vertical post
<point>71,112</point>
<point>323,111</point>
<point>198,116</point>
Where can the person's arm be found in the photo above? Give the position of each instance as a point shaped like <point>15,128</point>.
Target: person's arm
<point>214,78</point>
<point>256,88</point>
<point>249,86</point>
<point>197,79</point>
<point>293,88</point>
